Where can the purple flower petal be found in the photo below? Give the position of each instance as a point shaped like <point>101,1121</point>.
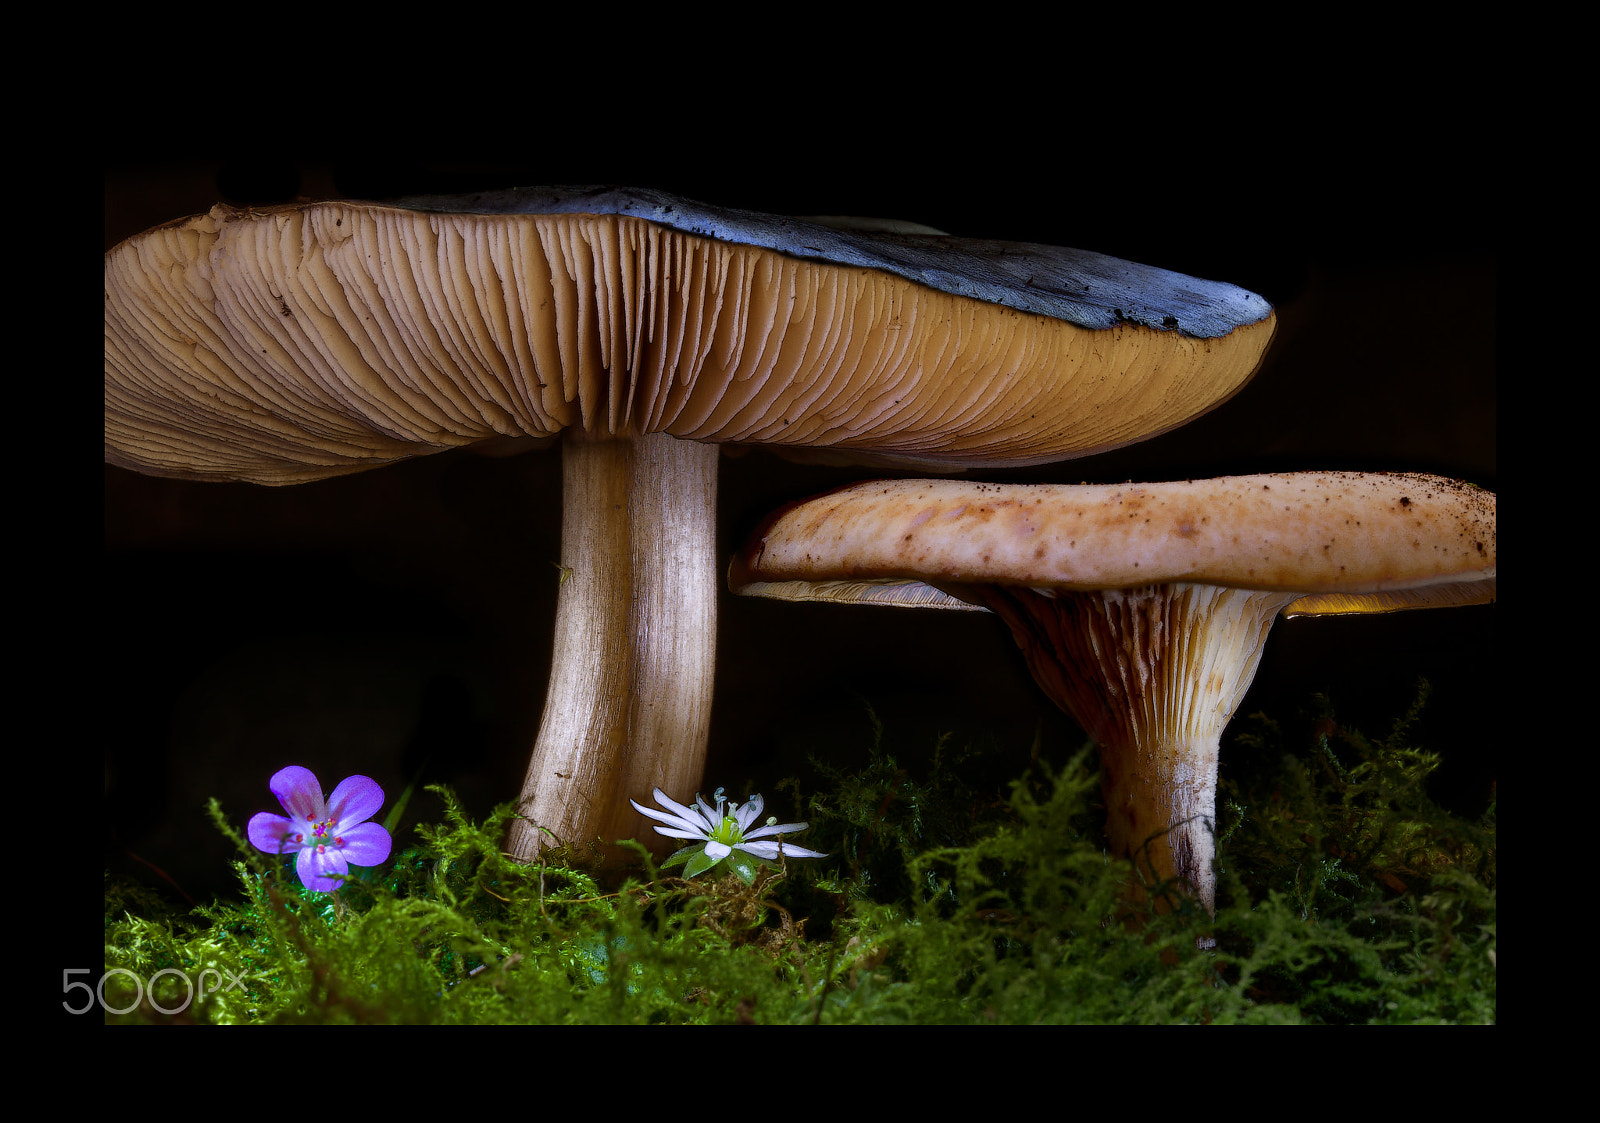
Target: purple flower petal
<point>316,865</point>
<point>272,833</point>
<point>299,793</point>
<point>355,800</point>
<point>366,844</point>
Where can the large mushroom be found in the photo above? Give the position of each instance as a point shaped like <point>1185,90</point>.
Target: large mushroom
<point>303,342</point>
<point>1142,609</point>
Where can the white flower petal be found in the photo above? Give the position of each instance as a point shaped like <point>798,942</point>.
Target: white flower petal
<point>771,850</point>
<point>686,816</point>
<point>776,828</point>
<point>717,850</point>
<point>750,812</point>
<point>677,821</point>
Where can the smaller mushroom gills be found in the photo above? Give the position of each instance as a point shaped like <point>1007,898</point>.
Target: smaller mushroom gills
<point>1141,609</point>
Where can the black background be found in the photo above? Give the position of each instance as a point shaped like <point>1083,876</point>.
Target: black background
<point>401,619</point>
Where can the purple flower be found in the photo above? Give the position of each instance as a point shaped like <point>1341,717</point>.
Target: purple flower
<point>327,835</point>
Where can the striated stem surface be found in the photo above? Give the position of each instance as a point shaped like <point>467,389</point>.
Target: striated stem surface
<point>629,702</point>
<point>1154,676</point>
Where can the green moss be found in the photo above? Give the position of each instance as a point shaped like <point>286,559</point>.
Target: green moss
<point>1346,895</point>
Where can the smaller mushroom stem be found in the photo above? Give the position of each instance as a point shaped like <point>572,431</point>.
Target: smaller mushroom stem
<point>629,702</point>
<point>1154,676</point>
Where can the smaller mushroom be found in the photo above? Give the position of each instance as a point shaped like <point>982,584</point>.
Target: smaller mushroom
<point>1141,609</point>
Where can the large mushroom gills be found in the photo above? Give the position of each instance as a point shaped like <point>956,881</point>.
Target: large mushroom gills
<point>303,342</point>
<point>629,701</point>
<point>1154,676</point>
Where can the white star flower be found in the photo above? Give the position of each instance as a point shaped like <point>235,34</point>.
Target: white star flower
<point>723,833</point>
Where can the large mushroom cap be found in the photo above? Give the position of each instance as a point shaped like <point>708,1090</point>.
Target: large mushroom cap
<point>306,341</point>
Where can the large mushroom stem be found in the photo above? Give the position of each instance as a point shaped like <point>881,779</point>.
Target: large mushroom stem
<point>1153,675</point>
<point>629,701</point>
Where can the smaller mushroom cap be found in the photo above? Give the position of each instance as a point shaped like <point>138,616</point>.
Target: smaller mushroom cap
<point>1345,541</point>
